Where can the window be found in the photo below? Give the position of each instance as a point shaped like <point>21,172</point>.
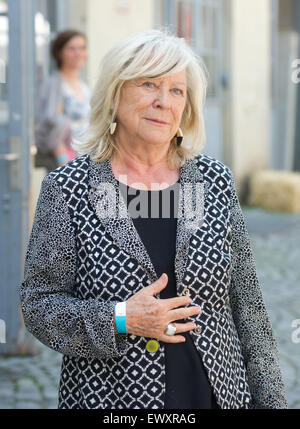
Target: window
<point>199,22</point>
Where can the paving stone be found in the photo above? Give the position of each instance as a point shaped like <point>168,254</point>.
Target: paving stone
<point>27,405</point>
<point>50,394</point>
<point>275,242</point>
<point>6,404</point>
<point>6,388</point>
<point>51,404</point>
<point>27,389</point>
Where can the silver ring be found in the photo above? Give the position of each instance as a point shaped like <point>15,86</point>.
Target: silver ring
<point>171,329</point>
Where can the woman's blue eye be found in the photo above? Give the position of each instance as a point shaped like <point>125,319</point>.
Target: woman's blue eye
<point>149,84</point>
<point>177,91</point>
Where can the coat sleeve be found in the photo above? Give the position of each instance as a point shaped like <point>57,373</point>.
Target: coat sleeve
<point>251,318</point>
<point>52,313</point>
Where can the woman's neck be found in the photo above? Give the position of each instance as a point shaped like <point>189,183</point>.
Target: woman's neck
<point>138,164</point>
<point>131,169</point>
<point>70,74</point>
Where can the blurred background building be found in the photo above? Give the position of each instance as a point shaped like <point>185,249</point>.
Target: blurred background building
<point>251,111</point>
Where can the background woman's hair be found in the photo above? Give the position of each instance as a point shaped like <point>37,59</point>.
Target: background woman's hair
<point>153,53</point>
<point>59,43</point>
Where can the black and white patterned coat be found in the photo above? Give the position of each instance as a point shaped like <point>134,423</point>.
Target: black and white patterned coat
<point>79,263</point>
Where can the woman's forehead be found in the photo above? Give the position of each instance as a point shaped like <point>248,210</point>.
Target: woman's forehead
<point>178,78</point>
<point>76,41</point>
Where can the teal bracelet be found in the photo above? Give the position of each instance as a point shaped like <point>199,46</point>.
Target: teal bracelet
<point>61,158</point>
<point>120,317</point>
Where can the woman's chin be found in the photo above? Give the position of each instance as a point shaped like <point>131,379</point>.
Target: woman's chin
<point>157,139</point>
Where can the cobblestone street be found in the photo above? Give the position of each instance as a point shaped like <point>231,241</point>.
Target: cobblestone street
<point>275,241</point>
<point>32,382</point>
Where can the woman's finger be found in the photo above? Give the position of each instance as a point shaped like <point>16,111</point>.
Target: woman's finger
<point>184,327</point>
<point>172,338</point>
<point>178,301</point>
<point>180,328</point>
<point>183,313</point>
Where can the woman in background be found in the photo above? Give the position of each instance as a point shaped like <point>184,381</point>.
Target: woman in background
<point>64,102</point>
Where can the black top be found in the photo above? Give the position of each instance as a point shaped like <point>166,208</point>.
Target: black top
<point>187,385</point>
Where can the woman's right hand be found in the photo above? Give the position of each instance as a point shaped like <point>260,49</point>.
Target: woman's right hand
<point>148,316</point>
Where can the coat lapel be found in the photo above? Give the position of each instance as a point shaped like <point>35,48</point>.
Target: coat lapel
<point>108,203</point>
<point>190,213</point>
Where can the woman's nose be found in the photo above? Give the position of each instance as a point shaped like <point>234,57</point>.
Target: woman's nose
<point>163,99</point>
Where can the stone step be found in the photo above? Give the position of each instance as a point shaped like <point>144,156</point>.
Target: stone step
<point>275,190</point>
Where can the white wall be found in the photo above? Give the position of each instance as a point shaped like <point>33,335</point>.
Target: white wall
<point>106,25</point>
<point>251,86</point>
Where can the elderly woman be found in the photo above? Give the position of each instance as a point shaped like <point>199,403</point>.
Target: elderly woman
<point>139,268</point>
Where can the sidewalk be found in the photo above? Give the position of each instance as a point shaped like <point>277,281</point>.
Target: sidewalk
<point>32,382</point>
<point>275,241</point>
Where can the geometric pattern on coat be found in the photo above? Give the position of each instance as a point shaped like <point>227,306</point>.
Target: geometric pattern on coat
<point>83,256</point>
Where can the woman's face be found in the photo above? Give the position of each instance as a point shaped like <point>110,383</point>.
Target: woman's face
<point>73,54</point>
<point>150,110</point>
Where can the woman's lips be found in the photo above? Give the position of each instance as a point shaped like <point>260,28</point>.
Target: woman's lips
<point>157,121</point>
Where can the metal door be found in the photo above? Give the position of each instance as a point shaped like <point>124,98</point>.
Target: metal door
<point>17,49</point>
<point>200,23</point>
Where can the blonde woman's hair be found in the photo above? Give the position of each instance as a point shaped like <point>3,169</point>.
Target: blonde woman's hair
<point>152,54</point>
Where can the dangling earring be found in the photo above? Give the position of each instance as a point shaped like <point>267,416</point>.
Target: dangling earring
<point>112,127</point>
<point>179,137</point>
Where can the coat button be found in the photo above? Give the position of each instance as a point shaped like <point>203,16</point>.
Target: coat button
<point>152,346</point>
<point>198,330</point>
<point>186,292</point>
